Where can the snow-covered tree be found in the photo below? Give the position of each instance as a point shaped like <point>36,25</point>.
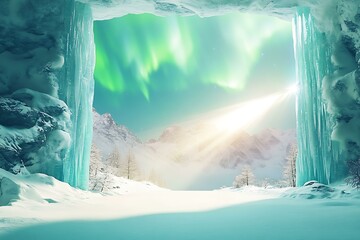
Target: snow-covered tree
<point>114,162</point>
<point>95,158</point>
<point>245,178</point>
<point>98,173</point>
<point>104,182</point>
<point>266,182</point>
<point>290,166</point>
<point>354,172</point>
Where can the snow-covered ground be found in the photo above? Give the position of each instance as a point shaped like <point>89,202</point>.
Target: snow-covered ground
<point>48,209</point>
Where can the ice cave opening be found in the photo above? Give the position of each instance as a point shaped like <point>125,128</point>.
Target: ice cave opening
<point>197,97</point>
<point>47,61</point>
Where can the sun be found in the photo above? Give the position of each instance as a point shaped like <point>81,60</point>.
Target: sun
<point>293,89</point>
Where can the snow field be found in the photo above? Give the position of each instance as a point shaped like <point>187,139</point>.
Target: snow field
<point>154,213</point>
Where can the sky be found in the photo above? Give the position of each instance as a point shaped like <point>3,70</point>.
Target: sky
<point>153,72</point>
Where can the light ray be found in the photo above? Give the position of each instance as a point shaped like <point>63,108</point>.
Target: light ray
<point>219,128</point>
<point>245,114</point>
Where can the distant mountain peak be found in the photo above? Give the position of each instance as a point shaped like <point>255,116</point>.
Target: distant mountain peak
<point>107,134</point>
<point>241,148</point>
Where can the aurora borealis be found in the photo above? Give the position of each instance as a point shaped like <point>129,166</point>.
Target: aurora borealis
<point>155,71</point>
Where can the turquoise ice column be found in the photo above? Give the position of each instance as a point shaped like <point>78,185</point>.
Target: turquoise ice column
<point>77,89</point>
<point>318,157</point>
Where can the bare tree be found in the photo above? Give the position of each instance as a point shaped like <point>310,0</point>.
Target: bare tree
<point>354,172</point>
<point>290,166</point>
<point>130,168</point>
<point>245,178</point>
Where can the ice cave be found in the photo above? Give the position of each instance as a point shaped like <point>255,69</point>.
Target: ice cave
<point>47,61</point>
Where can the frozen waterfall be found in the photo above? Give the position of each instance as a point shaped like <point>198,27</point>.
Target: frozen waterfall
<point>77,90</point>
<point>319,157</point>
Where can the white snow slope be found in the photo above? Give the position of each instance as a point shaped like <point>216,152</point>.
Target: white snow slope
<point>249,213</point>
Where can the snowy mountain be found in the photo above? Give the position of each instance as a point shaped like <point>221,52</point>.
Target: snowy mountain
<point>107,135</point>
<point>186,157</point>
<point>261,149</point>
<point>239,149</point>
<point>218,159</point>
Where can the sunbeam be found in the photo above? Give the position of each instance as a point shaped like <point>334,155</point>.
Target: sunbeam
<point>244,114</point>
<point>220,127</point>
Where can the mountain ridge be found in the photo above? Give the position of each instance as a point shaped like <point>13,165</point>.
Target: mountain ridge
<point>180,149</point>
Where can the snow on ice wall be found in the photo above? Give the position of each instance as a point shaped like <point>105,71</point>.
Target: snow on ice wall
<point>46,87</point>
<point>34,122</point>
<point>341,88</point>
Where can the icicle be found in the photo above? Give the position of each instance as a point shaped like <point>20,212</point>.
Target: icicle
<point>77,91</point>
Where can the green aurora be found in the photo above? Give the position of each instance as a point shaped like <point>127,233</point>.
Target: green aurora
<point>152,71</point>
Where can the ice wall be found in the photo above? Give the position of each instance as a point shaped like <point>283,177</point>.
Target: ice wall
<point>319,157</point>
<point>34,122</point>
<point>341,88</point>
<point>327,43</point>
<point>46,87</point>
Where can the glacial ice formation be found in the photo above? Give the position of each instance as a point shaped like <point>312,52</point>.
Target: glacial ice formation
<point>46,79</point>
<point>46,87</point>
<point>327,56</point>
<point>317,151</point>
<point>77,90</point>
